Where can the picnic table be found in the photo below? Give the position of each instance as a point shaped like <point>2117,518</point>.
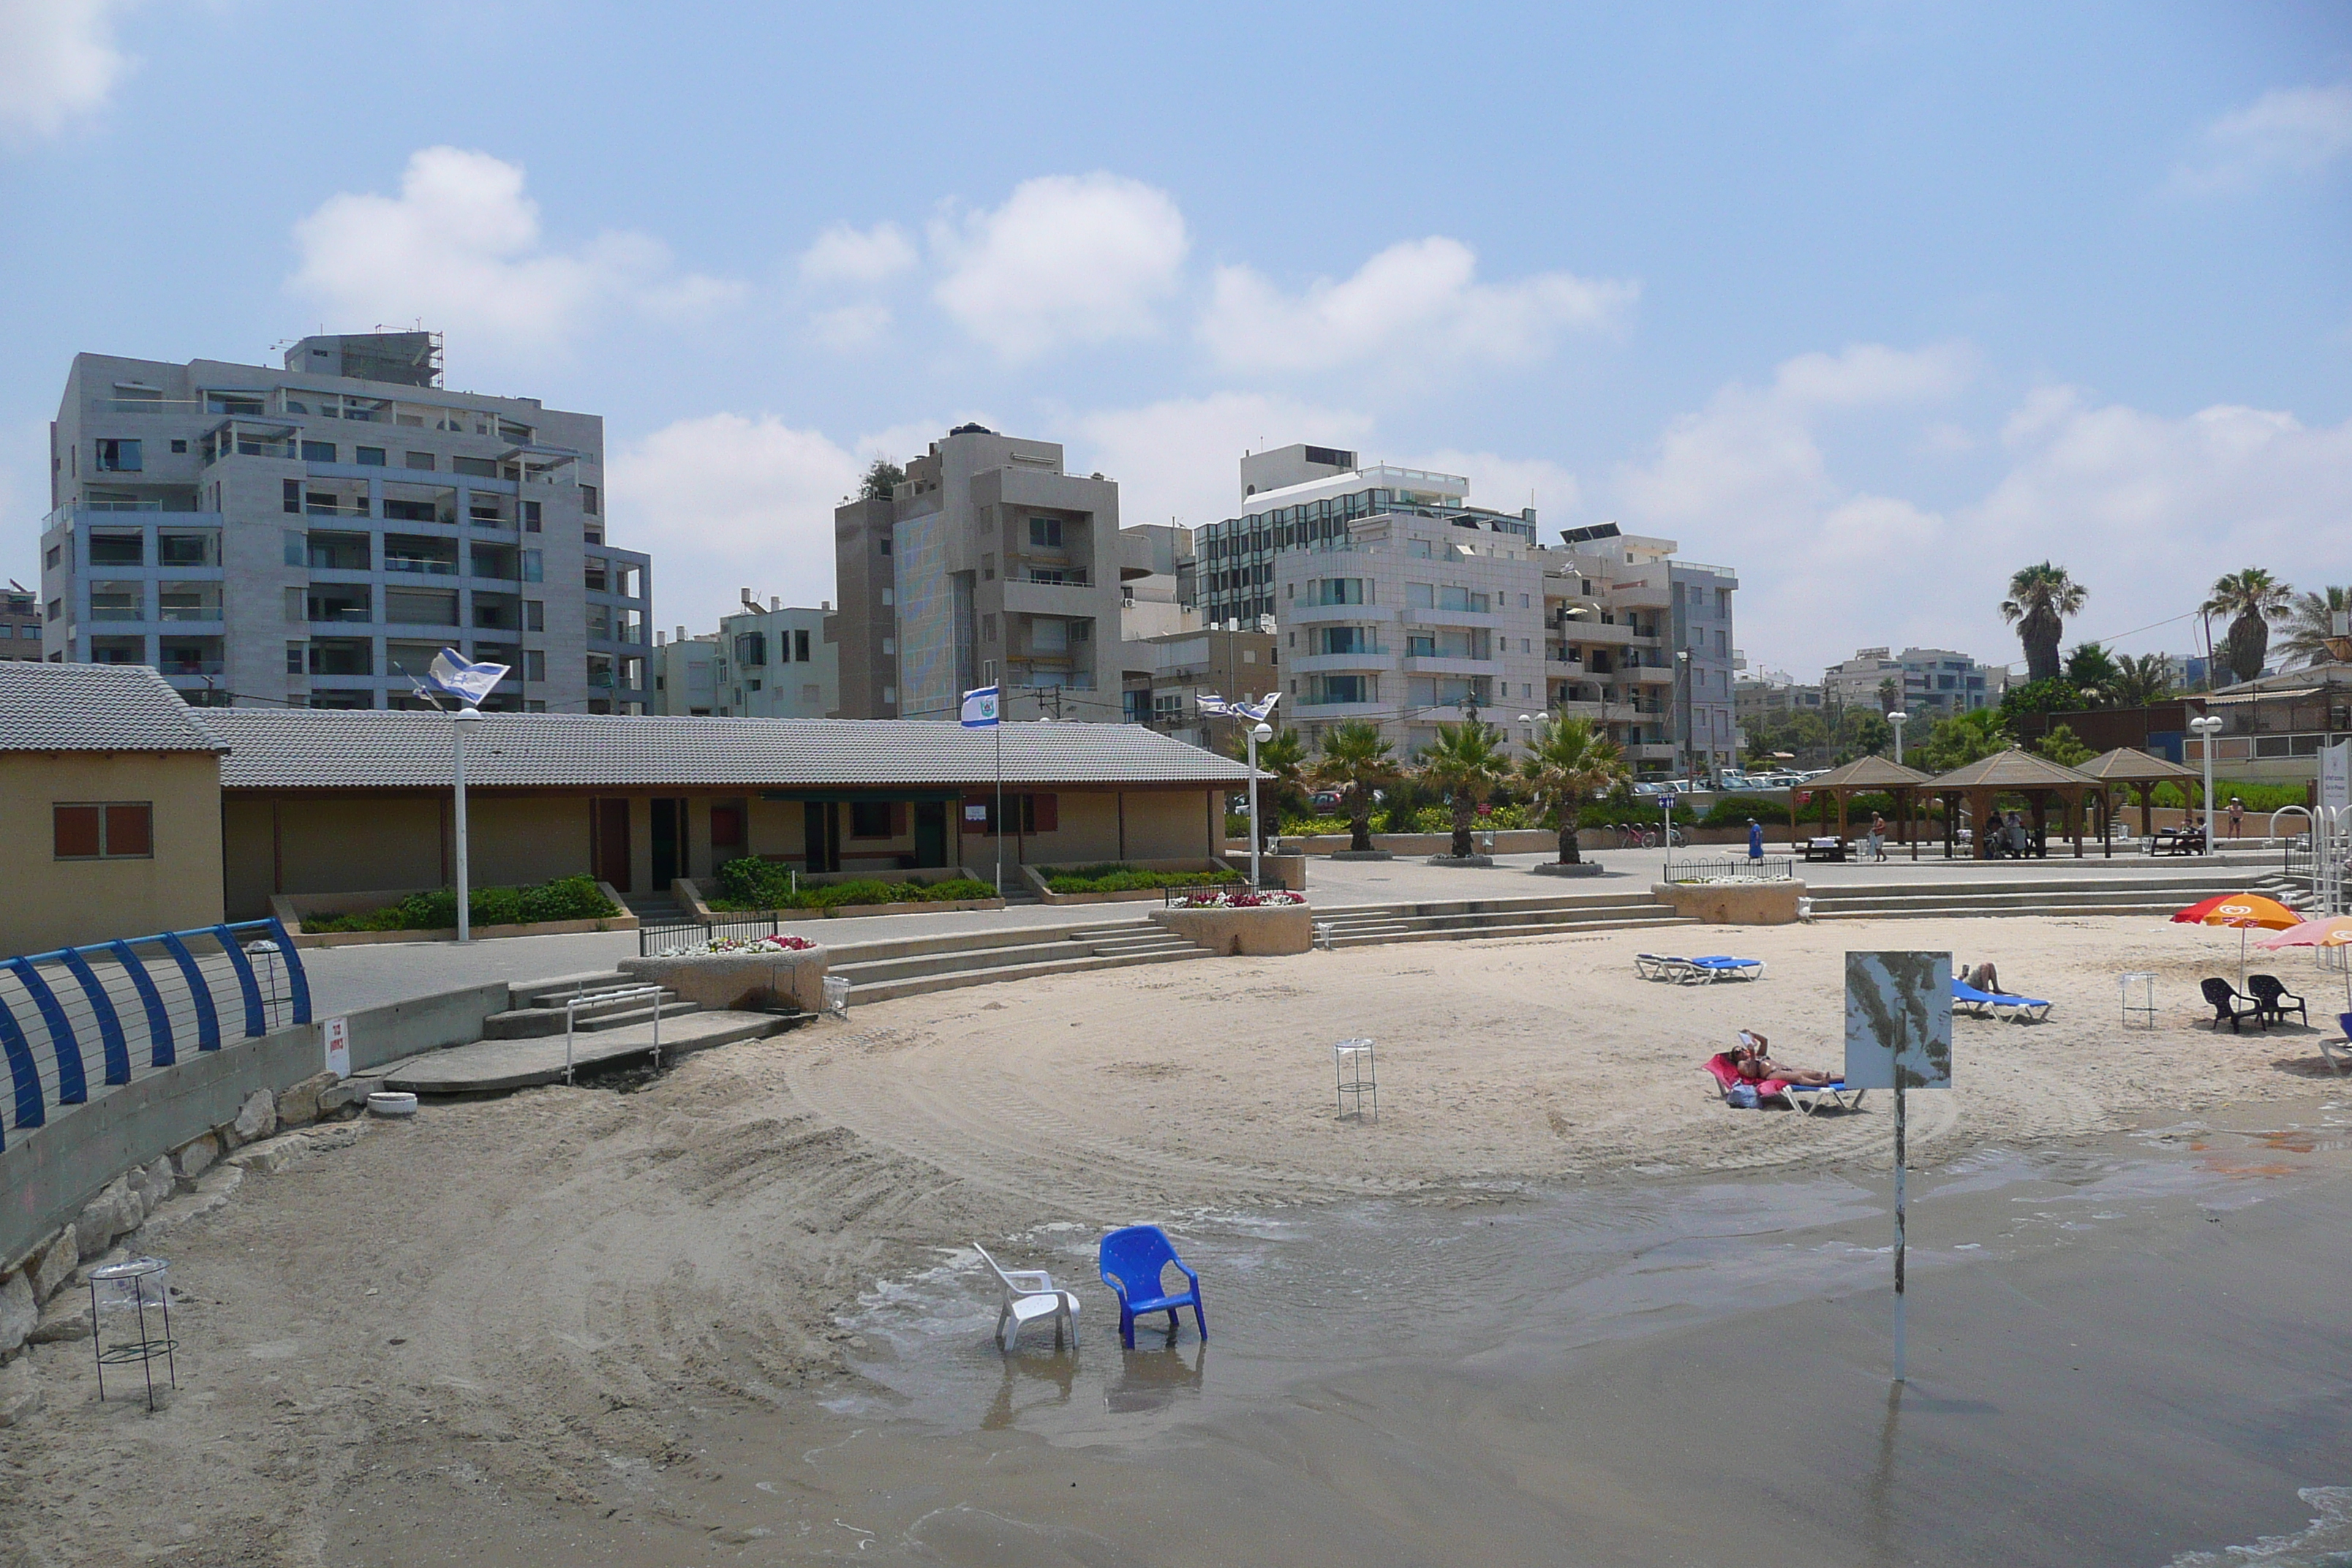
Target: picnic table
<point>1828,849</point>
<point>2177,841</point>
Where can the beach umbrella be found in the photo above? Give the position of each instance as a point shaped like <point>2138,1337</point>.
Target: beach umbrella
<point>2329,930</point>
<point>2244,911</point>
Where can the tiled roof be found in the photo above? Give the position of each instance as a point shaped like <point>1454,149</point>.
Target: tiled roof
<point>2012,769</point>
<point>94,708</point>
<point>319,749</point>
<point>2124,765</point>
<point>1867,773</point>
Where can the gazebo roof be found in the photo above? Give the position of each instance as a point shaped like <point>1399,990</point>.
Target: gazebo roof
<point>1867,772</point>
<point>2012,769</point>
<point>2125,765</point>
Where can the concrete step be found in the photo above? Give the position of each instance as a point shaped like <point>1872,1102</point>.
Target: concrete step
<point>952,980</point>
<point>489,1066</point>
<point>524,993</point>
<point>538,1022</point>
<point>1480,933</point>
<point>975,941</point>
<point>875,970</point>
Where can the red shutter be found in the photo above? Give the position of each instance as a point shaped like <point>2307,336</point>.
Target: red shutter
<point>76,832</point>
<point>898,819</point>
<point>1045,815</point>
<point>130,830</point>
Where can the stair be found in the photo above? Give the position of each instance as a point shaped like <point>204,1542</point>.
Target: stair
<point>655,909</point>
<point>1461,919</point>
<point>914,966</point>
<point>537,1008</point>
<point>2144,894</point>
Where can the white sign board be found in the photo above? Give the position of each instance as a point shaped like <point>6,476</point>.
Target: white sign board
<point>1898,1019</point>
<point>975,812</point>
<point>337,1035</point>
<point>2336,776</point>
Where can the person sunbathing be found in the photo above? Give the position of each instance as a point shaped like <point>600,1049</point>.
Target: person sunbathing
<point>1753,1058</point>
<point>1983,978</point>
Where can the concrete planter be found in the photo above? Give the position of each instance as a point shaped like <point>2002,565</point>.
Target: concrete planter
<point>740,982</point>
<point>1270,929</point>
<point>291,908</point>
<point>1461,859</point>
<point>1570,868</point>
<point>1362,854</point>
<point>1732,903</point>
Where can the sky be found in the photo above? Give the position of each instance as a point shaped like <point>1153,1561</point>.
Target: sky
<point>1875,303</point>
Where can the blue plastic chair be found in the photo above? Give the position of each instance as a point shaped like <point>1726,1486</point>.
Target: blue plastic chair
<point>1131,1261</point>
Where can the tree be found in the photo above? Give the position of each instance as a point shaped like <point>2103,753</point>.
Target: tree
<point>2141,682</point>
<point>2310,623</point>
<point>2062,746</point>
<point>1964,738</point>
<point>1568,764</point>
<point>2252,599</point>
<point>1890,695</point>
<point>1465,761</point>
<point>2040,599</point>
<point>2092,670</point>
<point>1284,756</point>
<point>2056,695</point>
<point>1863,733</point>
<point>883,477</point>
<point>1355,760</point>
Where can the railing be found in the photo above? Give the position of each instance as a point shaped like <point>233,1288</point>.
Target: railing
<point>424,565</point>
<point>652,939</point>
<point>137,1004</point>
<point>1769,868</point>
<point>579,999</point>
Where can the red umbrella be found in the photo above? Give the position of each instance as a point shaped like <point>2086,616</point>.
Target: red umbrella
<point>2243,910</point>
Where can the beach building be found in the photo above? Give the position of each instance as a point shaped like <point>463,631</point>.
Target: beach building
<point>111,785</point>
<point>335,803</point>
<point>685,680</point>
<point>1772,695</point>
<point>312,533</point>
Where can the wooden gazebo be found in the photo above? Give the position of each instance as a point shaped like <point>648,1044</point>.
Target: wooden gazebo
<point>2013,772</point>
<point>1874,775</point>
<point>2119,771</point>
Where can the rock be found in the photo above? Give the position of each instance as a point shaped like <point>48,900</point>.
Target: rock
<point>350,1093</point>
<point>342,1135</point>
<point>114,1212</point>
<point>213,1190</point>
<point>153,1185</point>
<point>256,1119</point>
<point>195,1157</point>
<point>20,1396</point>
<point>298,1106</point>
<point>57,1264</point>
<point>68,1318</point>
<point>18,1312</point>
<point>270,1155</point>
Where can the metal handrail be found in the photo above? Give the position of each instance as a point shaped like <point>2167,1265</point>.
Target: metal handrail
<point>579,999</point>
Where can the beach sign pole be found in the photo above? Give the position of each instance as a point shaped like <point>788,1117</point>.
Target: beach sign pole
<point>982,710</point>
<point>1899,1037</point>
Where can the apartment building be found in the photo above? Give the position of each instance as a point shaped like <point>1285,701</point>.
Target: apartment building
<point>1395,600</point>
<point>1931,681</point>
<point>312,534</point>
<point>20,622</point>
<point>987,564</point>
<point>1771,696</point>
<point>684,682</point>
<point>1167,672</point>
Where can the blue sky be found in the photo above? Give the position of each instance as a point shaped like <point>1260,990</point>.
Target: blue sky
<point>1875,302</point>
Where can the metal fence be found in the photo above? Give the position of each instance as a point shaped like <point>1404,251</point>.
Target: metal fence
<point>1769,868</point>
<point>652,939</point>
<point>135,1004</point>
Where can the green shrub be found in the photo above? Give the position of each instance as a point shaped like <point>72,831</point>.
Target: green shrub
<point>751,883</point>
<point>2258,797</point>
<point>565,899</point>
<point>1115,878</point>
<point>1734,810</point>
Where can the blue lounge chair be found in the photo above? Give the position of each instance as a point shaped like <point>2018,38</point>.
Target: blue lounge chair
<point>1989,1004</point>
<point>1720,967</point>
<point>2328,1049</point>
<point>1131,1261</point>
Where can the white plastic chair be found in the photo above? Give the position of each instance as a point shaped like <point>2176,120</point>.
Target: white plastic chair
<point>1030,1294</point>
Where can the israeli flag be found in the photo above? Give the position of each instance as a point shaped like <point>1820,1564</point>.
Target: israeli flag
<point>1213,706</point>
<point>469,683</point>
<point>979,708</point>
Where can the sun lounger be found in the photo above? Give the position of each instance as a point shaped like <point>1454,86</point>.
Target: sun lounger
<point>1663,967</point>
<point>1993,1004</point>
<point>1719,967</point>
<point>1811,1098</point>
<point>1029,1294</point>
<point>2334,1049</point>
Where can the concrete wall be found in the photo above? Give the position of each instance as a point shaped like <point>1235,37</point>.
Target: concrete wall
<point>54,903</point>
<point>1164,824</point>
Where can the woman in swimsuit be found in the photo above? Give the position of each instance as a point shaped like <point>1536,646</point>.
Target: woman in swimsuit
<point>1753,1056</point>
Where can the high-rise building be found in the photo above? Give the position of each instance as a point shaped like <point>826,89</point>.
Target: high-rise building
<point>313,534</point>
<point>20,622</point>
<point>1930,680</point>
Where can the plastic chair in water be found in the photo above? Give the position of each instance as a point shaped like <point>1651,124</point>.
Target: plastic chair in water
<point>1131,1261</point>
<point>1029,1294</point>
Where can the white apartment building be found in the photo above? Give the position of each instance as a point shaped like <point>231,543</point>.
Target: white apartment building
<point>1931,681</point>
<point>313,534</point>
<point>771,663</point>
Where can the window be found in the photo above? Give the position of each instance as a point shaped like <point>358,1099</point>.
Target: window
<point>533,564</point>
<point>187,600</point>
<point>1047,635</point>
<point>1337,591</point>
<point>118,600</point>
<point>291,496</point>
<point>1421,595</point>
<point>317,451</point>
<point>890,696</point>
<point>296,663</point>
<point>368,457</point>
<point>1454,598</point>
<point>198,549</point>
<point>118,550</point>
<point>588,500</point>
<point>479,467</point>
<point>180,447</point>
<point>751,648</point>
<point>1045,534</point>
<point>597,573</point>
<point>801,646</point>
<point>885,543</point>
<point>109,830</point>
<point>889,597</point>
<point>534,664</point>
<point>988,628</point>
<point>890,644</point>
<point>534,615</point>
<point>51,559</point>
<point>873,819</point>
<point>531,517</point>
<point>116,457</point>
<point>418,460</point>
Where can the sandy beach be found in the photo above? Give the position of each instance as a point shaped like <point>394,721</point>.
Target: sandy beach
<point>547,1320</point>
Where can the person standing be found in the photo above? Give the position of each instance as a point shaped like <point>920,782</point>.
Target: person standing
<point>1877,842</point>
<point>2237,815</point>
<point>1755,839</point>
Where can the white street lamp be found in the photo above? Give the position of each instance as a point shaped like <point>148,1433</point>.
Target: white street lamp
<point>2207,728</point>
<point>1257,732</point>
<point>463,719</point>
<point>1898,720</point>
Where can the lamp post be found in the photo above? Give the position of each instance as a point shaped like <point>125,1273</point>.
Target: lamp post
<point>2207,727</point>
<point>463,719</point>
<point>1257,732</point>
<point>1898,718</point>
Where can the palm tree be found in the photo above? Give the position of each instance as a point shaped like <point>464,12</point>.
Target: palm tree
<point>2252,599</point>
<point>1284,757</point>
<point>1355,760</point>
<point>1465,761</point>
<point>2138,682</point>
<point>2312,623</point>
<point>1570,763</point>
<point>2040,599</point>
<point>2092,672</point>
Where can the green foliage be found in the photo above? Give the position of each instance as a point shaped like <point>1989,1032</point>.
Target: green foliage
<point>2093,673</point>
<point>1734,810</point>
<point>2252,599</point>
<point>565,899</point>
<point>1356,761</point>
<point>1465,761</point>
<point>1863,733</point>
<point>2311,621</point>
<point>2040,599</point>
<point>1962,739</point>
<point>2260,798</point>
<point>881,477</point>
<point>1115,878</point>
<point>2141,681</point>
<point>2056,695</point>
<point>2062,746</point>
<point>751,883</point>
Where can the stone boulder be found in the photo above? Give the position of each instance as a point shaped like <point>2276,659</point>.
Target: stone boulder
<point>153,1185</point>
<point>53,1266</point>
<point>195,1157</point>
<point>68,1318</point>
<point>20,1313</point>
<point>20,1396</point>
<point>116,1211</point>
<point>256,1119</point>
<point>298,1106</point>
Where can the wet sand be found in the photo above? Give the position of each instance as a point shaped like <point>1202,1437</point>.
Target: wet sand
<point>1555,1306</point>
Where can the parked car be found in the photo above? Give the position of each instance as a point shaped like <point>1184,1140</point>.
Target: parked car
<point>1326,800</point>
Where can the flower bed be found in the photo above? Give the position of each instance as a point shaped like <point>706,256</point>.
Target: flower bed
<point>1234,899</point>
<point>1116,877</point>
<point>740,946</point>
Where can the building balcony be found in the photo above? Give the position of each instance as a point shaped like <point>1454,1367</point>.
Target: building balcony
<point>1027,598</point>
<point>1424,615</point>
<point>1300,613</point>
<point>1648,674</point>
<point>1645,596</point>
<point>1434,664</point>
<point>1333,712</point>
<point>1586,630</point>
<point>1374,659</point>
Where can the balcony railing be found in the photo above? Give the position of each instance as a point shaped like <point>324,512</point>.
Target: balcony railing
<point>424,565</point>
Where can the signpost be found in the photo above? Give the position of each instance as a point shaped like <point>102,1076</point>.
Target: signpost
<point>1667,801</point>
<point>335,1034</point>
<point>1898,1036</point>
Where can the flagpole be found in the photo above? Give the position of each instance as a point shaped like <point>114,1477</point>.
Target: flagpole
<point>457,727</point>
<point>998,728</point>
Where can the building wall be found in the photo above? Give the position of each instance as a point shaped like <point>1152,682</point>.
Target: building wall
<point>54,903</point>
<point>865,576</point>
<point>782,683</point>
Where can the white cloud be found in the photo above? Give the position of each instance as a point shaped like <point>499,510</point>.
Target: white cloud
<point>57,60</point>
<point>1067,260</point>
<point>1506,484</point>
<point>1420,296</point>
<point>1182,458</point>
<point>854,255</point>
<point>460,248</point>
<point>2289,130</point>
<point>850,328</point>
<point>2144,509</point>
<point>1870,376</point>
